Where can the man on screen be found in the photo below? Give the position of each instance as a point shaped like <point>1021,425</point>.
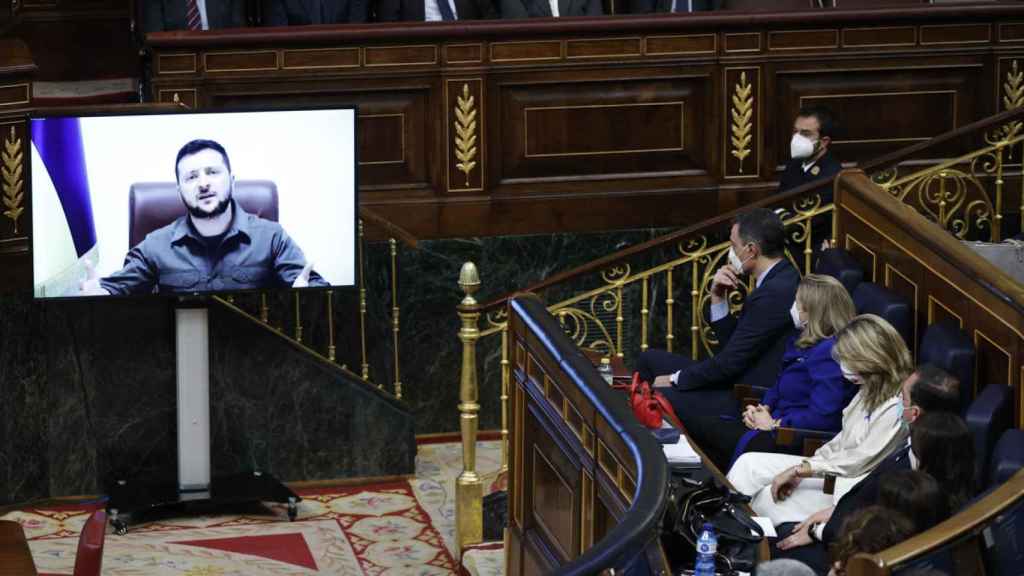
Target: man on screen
<point>215,246</point>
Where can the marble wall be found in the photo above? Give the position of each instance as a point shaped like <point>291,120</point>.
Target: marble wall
<point>87,396</point>
<point>87,389</point>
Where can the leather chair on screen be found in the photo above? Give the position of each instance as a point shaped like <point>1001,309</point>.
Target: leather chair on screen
<point>870,298</point>
<point>153,205</point>
<point>89,558</point>
<point>842,266</point>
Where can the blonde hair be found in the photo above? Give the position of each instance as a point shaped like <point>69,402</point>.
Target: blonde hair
<point>872,348</point>
<point>827,308</point>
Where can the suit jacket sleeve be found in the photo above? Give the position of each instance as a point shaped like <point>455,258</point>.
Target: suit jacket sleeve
<point>274,13</point>
<point>152,16</point>
<point>642,6</point>
<point>513,9</point>
<point>743,341</point>
<point>862,495</point>
<point>358,11</point>
<point>389,10</point>
<point>824,410</point>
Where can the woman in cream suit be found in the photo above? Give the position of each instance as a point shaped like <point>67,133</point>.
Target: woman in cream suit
<point>873,356</point>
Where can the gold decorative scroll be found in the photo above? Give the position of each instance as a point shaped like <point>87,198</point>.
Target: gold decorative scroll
<point>13,183</point>
<point>465,132</point>
<point>742,113</point>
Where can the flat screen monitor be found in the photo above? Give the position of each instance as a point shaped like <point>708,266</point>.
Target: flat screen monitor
<point>193,203</point>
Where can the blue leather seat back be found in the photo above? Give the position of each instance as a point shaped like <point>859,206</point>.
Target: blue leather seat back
<point>987,418</point>
<point>947,346</point>
<point>870,298</point>
<point>841,265</point>
<point>1007,457</point>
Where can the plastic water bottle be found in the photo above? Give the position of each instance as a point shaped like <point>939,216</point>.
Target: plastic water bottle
<point>605,369</point>
<point>707,545</point>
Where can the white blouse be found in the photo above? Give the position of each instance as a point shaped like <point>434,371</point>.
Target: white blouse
<point>866,439</point>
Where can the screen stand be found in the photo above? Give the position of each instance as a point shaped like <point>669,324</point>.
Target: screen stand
<point>194,490</point>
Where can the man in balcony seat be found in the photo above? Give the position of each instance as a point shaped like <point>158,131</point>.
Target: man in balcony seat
<point>160,15</point>
<point>549,8</point>
<point>303,12</point>
<point>810,158</point>
<point>648,6</point>
<point>434,10</point>
<point>751,343</point>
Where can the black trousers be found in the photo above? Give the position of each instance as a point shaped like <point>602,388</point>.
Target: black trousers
<point>711,415</point>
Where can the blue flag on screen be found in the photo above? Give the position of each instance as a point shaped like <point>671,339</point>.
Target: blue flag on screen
<point>59,143</point>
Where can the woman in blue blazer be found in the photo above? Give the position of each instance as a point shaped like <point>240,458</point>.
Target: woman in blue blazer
<point>810,392</point>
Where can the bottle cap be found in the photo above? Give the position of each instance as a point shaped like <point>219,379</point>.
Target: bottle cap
<point>606,360</point>
<point>709,526</point>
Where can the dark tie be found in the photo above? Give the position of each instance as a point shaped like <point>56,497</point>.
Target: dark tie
<point>192,19</point>
<point>446,10</point>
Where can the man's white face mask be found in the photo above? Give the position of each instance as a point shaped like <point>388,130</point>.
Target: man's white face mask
<point>801,147</point>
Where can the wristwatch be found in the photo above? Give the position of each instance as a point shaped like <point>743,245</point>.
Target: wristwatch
<point>812,531</point>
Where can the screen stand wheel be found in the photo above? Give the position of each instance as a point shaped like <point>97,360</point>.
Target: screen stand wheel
<point>195,491</point>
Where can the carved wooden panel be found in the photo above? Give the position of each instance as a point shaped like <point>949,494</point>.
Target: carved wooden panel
<point>15,206</point>
<point>395,131</point>
<point>942,97</point>
<point>743,128</point>
<point>554,130</point>
<point>464,135</point>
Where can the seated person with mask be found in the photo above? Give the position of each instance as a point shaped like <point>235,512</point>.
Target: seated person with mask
<point>928,390</point>
<point>787,488</point>
<point>751,343</point>
<point>810,392</point>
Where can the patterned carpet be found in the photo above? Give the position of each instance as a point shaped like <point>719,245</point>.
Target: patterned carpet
<point>396,528</point>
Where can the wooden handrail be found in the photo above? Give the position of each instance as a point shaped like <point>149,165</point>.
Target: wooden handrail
<point>782,198</point>
<point>392,229</point>
<point>1001,286</point>
<point>507,29</point>
<point>966,522</point>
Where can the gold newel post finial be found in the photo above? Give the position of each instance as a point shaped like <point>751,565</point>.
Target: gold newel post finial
<point>468,486</point>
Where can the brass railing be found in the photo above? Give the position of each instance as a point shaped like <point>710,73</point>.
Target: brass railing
<point>591,300</point>
<point>299,304</point>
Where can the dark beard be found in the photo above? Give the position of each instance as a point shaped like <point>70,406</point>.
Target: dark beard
<point>221,208</point>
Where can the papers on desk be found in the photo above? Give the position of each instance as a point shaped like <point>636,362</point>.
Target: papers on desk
<point>681,452</point>
<point>766,526</point>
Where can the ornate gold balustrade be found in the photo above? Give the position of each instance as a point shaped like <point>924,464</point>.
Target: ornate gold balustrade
<point>291,315</point>
<point>966,194</point>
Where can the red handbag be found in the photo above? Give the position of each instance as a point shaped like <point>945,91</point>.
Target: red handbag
<point>649,406</point>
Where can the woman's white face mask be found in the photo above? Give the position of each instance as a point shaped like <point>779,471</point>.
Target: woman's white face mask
<point>794,312</point>
<point>850,375</point>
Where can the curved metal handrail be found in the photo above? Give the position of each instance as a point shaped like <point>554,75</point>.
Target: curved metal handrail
<point>640,524</point>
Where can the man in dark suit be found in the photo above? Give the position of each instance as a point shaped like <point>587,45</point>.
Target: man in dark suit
<point>303,12</point>
<point>751,344</point>
<point>159,15</point>
<point>434,10</point>
<point>810,158</point>
<point>648,6</point>
<point>549,8</point>
<point>928,389</point>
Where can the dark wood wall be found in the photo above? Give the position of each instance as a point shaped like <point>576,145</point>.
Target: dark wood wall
<point>600,123</point>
